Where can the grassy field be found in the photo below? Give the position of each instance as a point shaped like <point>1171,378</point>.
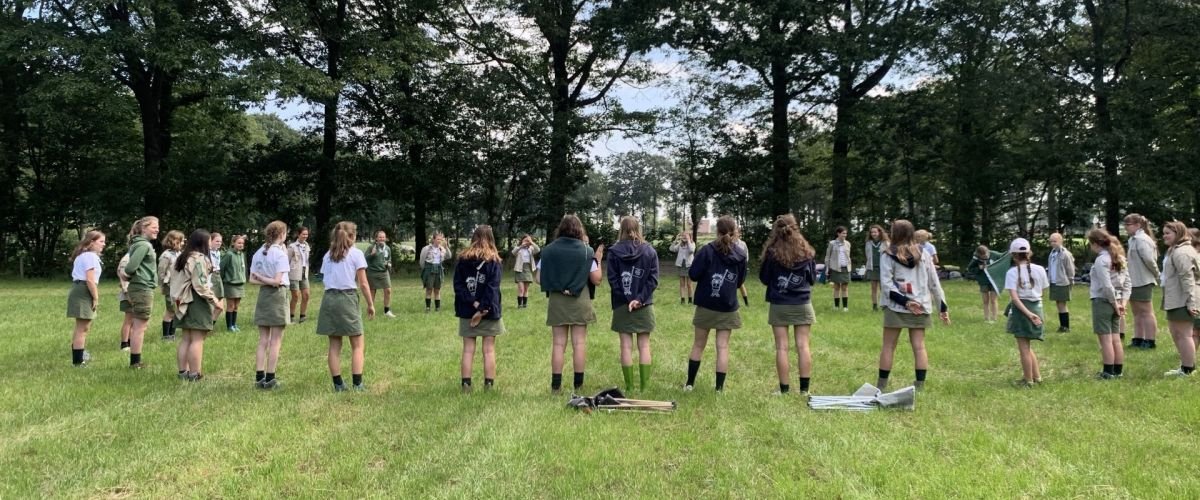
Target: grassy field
<point>109,432</point>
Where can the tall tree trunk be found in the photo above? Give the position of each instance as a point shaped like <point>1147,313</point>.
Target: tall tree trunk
<point>558,185</point>
<point>780,137</point>
<point>416,159</point>
<point>839,169</point>
<point>327,177</point>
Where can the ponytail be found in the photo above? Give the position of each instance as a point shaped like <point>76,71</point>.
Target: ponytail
<point>726,229</point>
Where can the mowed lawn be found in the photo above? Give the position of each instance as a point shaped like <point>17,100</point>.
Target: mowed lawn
<point>106,431</point>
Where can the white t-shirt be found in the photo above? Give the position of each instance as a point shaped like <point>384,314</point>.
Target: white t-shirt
<point>1035,281</point>
<point>215,257</point>
<point>928,248</point>
<point>84,262</point>
<point>270,265</point>
<point>343,275</point>
<point>435,255</point>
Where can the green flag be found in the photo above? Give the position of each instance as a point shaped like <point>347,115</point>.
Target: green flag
<point>998,268</point>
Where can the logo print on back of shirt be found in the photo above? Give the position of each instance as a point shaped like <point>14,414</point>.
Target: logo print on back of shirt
<point>627,282</point>
<point>472,283</point>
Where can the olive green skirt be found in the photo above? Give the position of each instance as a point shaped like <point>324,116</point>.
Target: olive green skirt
<point>1144,293</point>
<point>839,277</point>
<point>198,316</point>
<point>1021,327</point>
<point>485,328</point>
<point>233,291</point>
<point>1060,293</point>
<point>272,306</point>
<point>565,310</point>
<point>683,271</point>
<point>141,302</point>
<point>791,314</point>
<point>709,319</point>
<point>640,320</point>
<point>1179,314</point>
<point>525,275</point>
<point>379,280</point>
<point>79,302</point>
<point>893,319</point>
<point>218,287</point>
<point>872,275</point>
<point>1105,320</point>
<point>340,315</point>
<point>432,275</point>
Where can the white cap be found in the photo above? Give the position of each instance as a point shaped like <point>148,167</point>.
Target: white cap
<point>1019,245</point>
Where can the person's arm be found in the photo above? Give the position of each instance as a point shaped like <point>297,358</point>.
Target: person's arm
<point>675,245</point>
<point>1020,306</point>
<point>164,268</point>
<point>596,276</point>
<point>1068,264</point>
<point>458,281</point>
<point>1187,266</point>
<point>534,249</point>
<point>1147,254</point>
<point>763,273</point>
<point>486,302</point>
<point>1102,275</point>
<point>136,255</point>
<point>937,293</point>
<point>887,279</point>
<point>652,279</point>
<point>361,276</point>
<point>699,265</point>
<point>446,253</point>
<point>614,278</point>
<point>90,279</point>
<point>423,256</point>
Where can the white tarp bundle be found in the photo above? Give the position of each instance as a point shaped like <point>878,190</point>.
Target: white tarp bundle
<point>867,398</point>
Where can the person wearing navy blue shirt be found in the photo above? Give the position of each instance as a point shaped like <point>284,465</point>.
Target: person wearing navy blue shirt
<point>788,272</point>
<point>633,277</point>
<point>718,269</point>
<point>477,303</point>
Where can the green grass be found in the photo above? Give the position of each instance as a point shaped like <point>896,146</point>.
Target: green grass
<point>106,431</point>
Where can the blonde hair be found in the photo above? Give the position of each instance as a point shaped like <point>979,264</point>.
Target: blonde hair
<point>631,229</point>
<point>140,225</point>
<point>341,240</point>
<point>275,232</point>
<point>1180,230</point>
<point>1142,222</point>
<point>787,245</point>
<point>1194,234</point>
<point>88,238</point>
<point>483,246</point>
<point>1101,238</point>
<point>903,245</point>
<point>173,240</point>
<point>921,235</point>
<point>727,230</point>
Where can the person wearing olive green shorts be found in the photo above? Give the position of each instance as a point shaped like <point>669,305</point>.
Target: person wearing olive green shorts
<point>84,297</point>
<point>1108,280</point>
<point>1061,268</point>
<point>379,270</point>
<point>198,305</point>
<point>719,268</point>
<point>1144,274</point>
<point>214,256</point>
<point>1181,294</point>
<point>432,261</point>
<point>523,264</point>
<point>143,279</point>
<point>478,304</point>
<point>912,291</point>
<point>632,279</point>
<point>171,245</point>
<point>233,279</point>
<point>299,253</point>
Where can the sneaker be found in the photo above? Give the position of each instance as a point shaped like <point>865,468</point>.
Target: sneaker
<point>1105,376</point>
<point>258,384</point>
<point>80,365</point>
<point>125,349</point>
<point>918,385</point>
<point>688,388</point>
<point>181,375</point>
<point>303,318</point>
<point>466,388</point>
<point>234,328</point>
<point>390,315</point>
<point>339,388</point>
<point>555,392</point>
<point>1023,384</point>
<point>194,377</point>
<point>293,321</point>
<point>270,384</point>
<point>426,310</point>
<point>1178,372</point>
<point>358,388</point>
<point>87,356</point>
<point>137,366</point>
<point>168,338</point>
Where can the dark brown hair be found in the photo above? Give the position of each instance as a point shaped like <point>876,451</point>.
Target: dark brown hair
<point>570,227</point>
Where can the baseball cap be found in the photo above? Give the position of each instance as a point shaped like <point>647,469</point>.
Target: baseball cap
<point>1019,245</point>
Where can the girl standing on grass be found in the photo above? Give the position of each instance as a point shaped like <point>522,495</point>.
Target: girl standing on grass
<point>299,253</point>
<point>1025,282</point>
<point>523,266</point>
<point>84,298</point>
<point>269,269</point>
<point>1181,294</point>
<point>432,271</point>
<point>684,249</point>
<point>143,278</point>
<point>1062,275</point>
<point>837,263</point>
<point>218,284</point>
<point>477,304</point>
<point>788,272</point>
<point>567,267</point>
<point>233,279</point>
<point>722,265</point>
<point>379,271</point>
<point>172,243</point>
<point>1194,234</point>
<point>877,239</point>
<point>1108,278</point>
<point>922,238</point>
<point>987,291</point>
<point>344,268</point>
<point>123,298</point>
<point>1144,273</point>
<point>198,306</point>
<point>632,279</point>
<point>912,290</point>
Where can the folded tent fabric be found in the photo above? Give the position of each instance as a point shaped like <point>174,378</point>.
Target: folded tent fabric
<point>867,398</point>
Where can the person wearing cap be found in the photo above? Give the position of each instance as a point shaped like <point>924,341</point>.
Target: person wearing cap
<point>1025,282</point>
<point>1061,268</point>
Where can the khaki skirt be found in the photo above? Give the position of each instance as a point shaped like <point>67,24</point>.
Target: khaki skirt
<point>893,319</point>
<point>525,275</point>
<point>872,275</point>
<point>218,287</point>
<point>272,306</point>
<point>1021,327</point>
<point>379,280</point>
<point>565,310</point>
<point>683,271</point>
<point>839,277</point>
<point>791,314</point>
<point>198,316</point>
<point>79,302</point>
<point>233,291</point>
<point>638,321</point>
<point>340,315</point>
<point>1105,320</point>
<point>709,319</point>
<point>432,275</point>
<point>1144,293</point>
<point>1060,293</point>
<point>485,328</point>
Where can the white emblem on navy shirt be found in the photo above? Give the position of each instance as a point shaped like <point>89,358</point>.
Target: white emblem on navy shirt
<point>472,282</point>
<point>627,282</point>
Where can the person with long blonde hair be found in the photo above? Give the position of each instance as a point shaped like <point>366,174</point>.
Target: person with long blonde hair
<point>632,279</point>
<point>269,269</point>
<point>477,304</point>
<point>1025,282</point>
<point>143,279</point>
<point>84,298</point>
<point>722,266</point>
<point>788,271</point>
<point>1181,293</point>
<point>1144,274</point>
<point>344,271</point>
<point>912,291</point>
<point>1108,279</point>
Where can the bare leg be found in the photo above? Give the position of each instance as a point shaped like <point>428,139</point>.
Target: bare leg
<point>782,370</point>
<point>579,348</point>
<point>723,350</point>
<point>335,356</point>
<point>468,357</point>
<point>489,357</point>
